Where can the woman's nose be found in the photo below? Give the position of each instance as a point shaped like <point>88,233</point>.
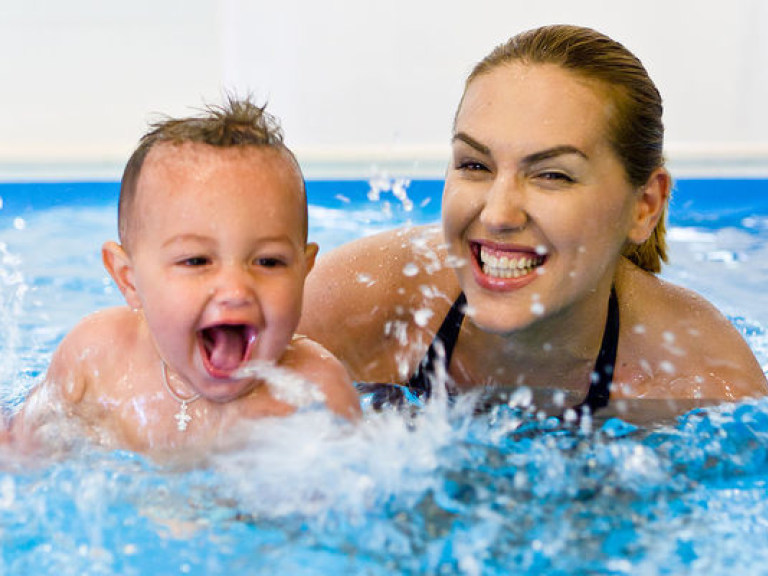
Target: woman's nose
<point>504,207</point>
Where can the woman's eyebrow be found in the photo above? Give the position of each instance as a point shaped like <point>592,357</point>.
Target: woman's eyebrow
<point>468,140</point>
<point>552,153</point>
<point>532,158</point>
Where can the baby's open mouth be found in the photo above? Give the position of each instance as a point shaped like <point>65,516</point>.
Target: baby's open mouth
<point>504,263</point>
<point>225,347</point>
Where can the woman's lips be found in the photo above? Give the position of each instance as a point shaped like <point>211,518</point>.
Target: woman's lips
<point>503,266</point>
<point>225,347</point>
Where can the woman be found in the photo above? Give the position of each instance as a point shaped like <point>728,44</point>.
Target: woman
<point>543,273</point>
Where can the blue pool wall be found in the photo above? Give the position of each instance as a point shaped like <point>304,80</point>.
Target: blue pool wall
<point>695,202</point>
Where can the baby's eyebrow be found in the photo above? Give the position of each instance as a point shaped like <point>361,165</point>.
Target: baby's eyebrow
<point>190,237</point>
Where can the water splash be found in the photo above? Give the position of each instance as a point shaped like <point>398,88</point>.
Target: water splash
<point>397,186</point>
<point>13,292</point>
<point>284,384</point>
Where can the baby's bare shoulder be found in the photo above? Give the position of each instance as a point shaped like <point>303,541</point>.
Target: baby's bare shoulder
<point>98,341</point>
<point>315,363</point>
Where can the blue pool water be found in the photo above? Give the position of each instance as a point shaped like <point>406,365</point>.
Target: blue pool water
<point>446,493</point>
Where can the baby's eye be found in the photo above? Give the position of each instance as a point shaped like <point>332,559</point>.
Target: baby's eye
<point>270,262</point>
<point>195,261</point>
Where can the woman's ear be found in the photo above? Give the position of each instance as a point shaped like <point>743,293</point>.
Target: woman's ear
<point>118,264</point>
<point>652,199</point>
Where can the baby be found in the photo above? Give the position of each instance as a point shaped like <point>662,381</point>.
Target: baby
<point>212,260</point>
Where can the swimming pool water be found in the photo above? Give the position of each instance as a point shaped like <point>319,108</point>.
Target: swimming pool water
<point>444,493</point>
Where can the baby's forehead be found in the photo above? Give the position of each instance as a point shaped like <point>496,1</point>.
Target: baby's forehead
<point>190,156</point>
<point>193,163</point>
<point>174,173</point>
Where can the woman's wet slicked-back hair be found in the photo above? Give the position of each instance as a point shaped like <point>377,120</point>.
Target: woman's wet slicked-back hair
<point>635,130</point>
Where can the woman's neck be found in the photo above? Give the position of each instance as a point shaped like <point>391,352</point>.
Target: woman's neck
<point>558,351</point>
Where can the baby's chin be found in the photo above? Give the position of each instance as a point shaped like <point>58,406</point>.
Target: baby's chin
<point>222,392</point>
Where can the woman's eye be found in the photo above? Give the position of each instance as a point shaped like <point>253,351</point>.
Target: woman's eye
<point>555,176</point>
<point>471,166</point>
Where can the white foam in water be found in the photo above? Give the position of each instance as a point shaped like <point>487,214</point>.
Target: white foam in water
<point>314,463</point>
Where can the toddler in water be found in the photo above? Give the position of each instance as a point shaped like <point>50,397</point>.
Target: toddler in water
<point>212,259</point>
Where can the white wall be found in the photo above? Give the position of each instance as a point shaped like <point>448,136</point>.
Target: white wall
<point>81,78</point>
<point>357,83</point>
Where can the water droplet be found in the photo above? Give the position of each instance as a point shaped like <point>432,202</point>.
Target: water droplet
<point>421,317</point>
<point>537,308</point>
<point>19,223</point>
<point>521,398</point>
<point>667,367</point>
<point>410,269</point>
<point>365,279</point>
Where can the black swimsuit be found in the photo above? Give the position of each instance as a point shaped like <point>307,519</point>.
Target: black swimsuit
<point>438,357</point>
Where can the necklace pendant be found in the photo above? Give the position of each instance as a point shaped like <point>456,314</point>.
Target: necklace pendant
<point>182,418</point>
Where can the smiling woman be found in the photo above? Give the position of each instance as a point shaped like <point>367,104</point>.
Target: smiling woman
<point>542,275</point>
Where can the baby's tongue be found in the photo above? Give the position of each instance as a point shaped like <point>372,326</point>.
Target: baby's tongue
<point>225,346</point>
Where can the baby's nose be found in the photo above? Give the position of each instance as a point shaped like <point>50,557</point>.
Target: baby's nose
<point>234,286</point>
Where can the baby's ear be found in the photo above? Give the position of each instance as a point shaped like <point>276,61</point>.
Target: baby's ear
<point>651,201</point>
<point>118,264</point>
<point>310,253</point>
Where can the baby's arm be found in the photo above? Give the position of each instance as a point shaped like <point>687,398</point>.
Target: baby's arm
<point>54,400</point>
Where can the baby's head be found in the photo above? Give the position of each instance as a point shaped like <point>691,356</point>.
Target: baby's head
<point>213,227</point>
<point>236,124</point>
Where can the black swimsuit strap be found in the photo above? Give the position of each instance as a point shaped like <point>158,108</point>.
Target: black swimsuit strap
<point>599,393</point>
<point>440,350</point>
<point>419,384</point>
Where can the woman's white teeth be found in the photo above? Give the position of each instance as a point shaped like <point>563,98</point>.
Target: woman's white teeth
<point>506,267</point>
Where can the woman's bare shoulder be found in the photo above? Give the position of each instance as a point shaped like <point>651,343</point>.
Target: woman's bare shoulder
<point>365,300</point>
<point>680,344</point>
<point>393,257</point>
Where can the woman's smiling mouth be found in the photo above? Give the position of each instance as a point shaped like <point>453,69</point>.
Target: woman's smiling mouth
<point>499,266</point>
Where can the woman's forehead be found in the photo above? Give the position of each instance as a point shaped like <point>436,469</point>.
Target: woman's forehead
<point>540,101</point>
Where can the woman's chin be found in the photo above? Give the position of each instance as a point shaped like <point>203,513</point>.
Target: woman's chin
<point>502,322</point>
